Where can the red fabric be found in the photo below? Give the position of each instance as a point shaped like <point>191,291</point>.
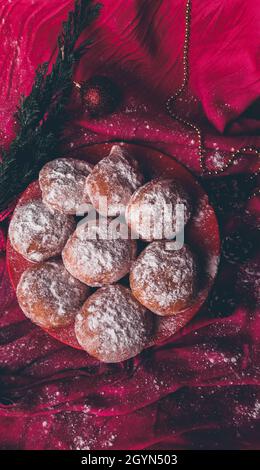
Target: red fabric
<point>202,389</point>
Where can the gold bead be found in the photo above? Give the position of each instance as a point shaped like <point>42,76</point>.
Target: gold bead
<point>173,97</point>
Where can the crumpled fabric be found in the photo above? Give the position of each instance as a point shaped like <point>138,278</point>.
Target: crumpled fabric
<point>201,389</point>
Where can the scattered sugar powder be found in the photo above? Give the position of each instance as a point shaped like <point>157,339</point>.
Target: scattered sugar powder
<point>80,443</point>
<point>217,160</point>
<point>37,232</point>
<point>247,412</point>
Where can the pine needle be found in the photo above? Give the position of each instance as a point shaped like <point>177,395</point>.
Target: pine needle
<point>41,114</point>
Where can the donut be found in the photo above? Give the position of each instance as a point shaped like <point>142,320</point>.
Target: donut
<point>112,182</point>
<point>49,295</point>
<point>94,258</point>
<point>62,182</point>
<point>165,280</point>
<point>37,232</point>
<point>112,326</point>
<point>152,210</point>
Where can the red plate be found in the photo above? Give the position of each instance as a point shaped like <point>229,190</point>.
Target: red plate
<point>202,234</point>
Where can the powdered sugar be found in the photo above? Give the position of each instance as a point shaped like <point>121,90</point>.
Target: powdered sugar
<point>49,295</point>
<point>212,265</point>
<point>152,209</point>
<point>160,278</point>
<point>96,260</point>
<point>125,168</point>
<point>62,182</point>
<point>113,326</point>
<point>115,177</point>
<point>37,232</point>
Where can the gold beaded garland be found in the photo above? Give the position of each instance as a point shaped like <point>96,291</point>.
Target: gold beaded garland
<point>202,159</point>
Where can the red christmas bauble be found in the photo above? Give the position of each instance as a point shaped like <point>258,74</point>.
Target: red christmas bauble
<point>100,96</point>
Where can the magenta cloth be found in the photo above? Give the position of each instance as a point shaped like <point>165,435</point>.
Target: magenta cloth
<point>201,390</point>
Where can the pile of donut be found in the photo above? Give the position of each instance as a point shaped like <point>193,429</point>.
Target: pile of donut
<point>73,278</point>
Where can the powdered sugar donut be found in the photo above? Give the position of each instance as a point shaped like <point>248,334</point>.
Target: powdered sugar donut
<point>37,232</point>
<point>49,295</point>
<point>152,210</point>
<point>164,280</point>
<point>62,182</point>
<point>94,258</point>
<point>112,326</point>
<point>112,182</point>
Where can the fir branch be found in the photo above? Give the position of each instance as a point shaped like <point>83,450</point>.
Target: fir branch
<point>41,114</point>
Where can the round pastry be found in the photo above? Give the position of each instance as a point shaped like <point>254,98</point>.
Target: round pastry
<point>112,326</point>
<point>62,182</point>
<point>164,280</point>
<point>112,182</point>
<point>95,256</point>
<point>37,232</point>
<point>154,210</point>
<point>49,295</point>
